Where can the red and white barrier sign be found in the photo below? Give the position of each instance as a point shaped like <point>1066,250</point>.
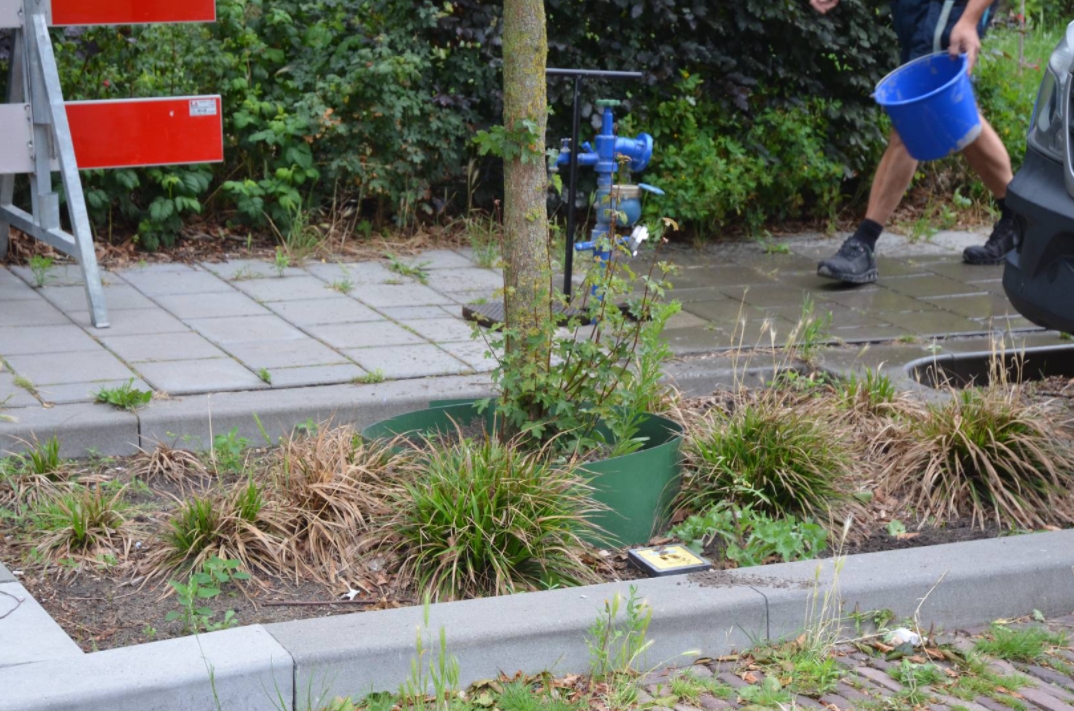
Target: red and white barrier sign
<point>145,132</point>
<point>131,12</point>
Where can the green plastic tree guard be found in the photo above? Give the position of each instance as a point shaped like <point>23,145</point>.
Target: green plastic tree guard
<point>637,488</point>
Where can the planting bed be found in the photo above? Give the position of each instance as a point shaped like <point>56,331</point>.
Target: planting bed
<point>113,590</point>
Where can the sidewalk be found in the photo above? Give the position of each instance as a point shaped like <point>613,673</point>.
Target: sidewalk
<point>239,326</point>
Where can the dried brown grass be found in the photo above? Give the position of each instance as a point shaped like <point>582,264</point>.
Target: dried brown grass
<point>165,462</point>
<point>985,454</point>
<point>335,489</point>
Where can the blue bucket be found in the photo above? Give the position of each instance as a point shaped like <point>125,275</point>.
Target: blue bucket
<point>931,104</point>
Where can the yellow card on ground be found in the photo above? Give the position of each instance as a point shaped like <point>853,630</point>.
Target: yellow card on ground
<point>667,560</point>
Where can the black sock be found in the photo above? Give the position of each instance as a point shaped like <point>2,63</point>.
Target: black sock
<point>869,232</point>
<point>1004,211</point>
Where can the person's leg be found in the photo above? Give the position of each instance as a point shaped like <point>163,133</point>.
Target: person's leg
<point>855,262</point>
<point>891,181</point>
<point>989,159</point>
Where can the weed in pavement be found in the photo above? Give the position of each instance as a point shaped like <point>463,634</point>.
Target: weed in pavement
<point>40,267</point>
<point>407,269</point>
<point>265,375</point>
<point>915,677</point>
<point>282,261</point>
<point>43,458</point>
<point>436,676</point>
<point>343,286</point>
<point>371,378</point>
<point>618,646</point>
<point>1026,645</point>
<point>125,396</point>
<point>811,331</point>
<point>486,518</point>
<point>769,694</point>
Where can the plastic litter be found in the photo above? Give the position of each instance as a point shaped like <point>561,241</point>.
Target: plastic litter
<point>902,636</point>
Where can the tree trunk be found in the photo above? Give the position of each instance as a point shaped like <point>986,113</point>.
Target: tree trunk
<point>527,276</point>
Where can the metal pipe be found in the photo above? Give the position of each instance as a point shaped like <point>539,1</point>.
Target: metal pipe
<point>572,189</point>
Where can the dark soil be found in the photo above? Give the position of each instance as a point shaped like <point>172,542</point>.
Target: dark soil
<point>951,532</point>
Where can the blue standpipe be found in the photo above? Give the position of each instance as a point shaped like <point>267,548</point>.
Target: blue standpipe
<point>624,198</point>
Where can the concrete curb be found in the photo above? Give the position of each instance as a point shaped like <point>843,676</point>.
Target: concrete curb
<point>710,615</point>
<point>236,670</point>
<point>190,421</point>
<point>23,619</point>
<point>307,663</point>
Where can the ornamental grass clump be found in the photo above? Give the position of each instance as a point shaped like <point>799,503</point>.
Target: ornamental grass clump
<point>987,454</point>
<point>774,453</point>
<point>485,518</point>
<point>336,489</point>
<point>228,523</point>
<point>84,521</point>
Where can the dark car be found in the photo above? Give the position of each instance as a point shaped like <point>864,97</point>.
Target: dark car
<point>1039,273</point>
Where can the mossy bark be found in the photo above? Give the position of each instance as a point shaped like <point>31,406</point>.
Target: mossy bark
<point>527,273</point>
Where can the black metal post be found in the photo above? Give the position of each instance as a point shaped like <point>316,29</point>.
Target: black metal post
<point>572,177</point>
<point>572,190</point>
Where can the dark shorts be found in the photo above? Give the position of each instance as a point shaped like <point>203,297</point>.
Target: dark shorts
<point>916,21</point>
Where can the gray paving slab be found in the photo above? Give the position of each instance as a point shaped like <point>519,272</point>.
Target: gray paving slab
<point>62,368</point>
<point>869,333</point>
<point>716,277</point>
<point>199,376</point>
<point>442,329</point>
<point>956,240</point>
<point>377,295</point>
<point>976,306</point>
<point>476,354</point>
<point>84,392</point>
<point>193,418</point>
<point>31,312</point>
<point>241,669</point>
<point>959,270</point>
<point>364,335</point>
<point>305,376</point>
<point>117,296</point>
<point>361,273</point>
<point>80,429</point>
<point>408,361</point>
<point>167,283</point>
<point>15,289</point>
<point>215,305</point>
<point>878,301</point>
<point>64,275</point>
<point>30,634</point>
<point>459,298</point>
<point>284,289</point>
<point>771,295</point>
<point>11,395</point>
<point>245,328</point>
<point>929,286</point>
<point>245,269</point>
<point>285,354</point>
<point>465,279</point>
<point>67,338</point>
<point>411,313</point>
<point>444,259</point>
<point>129,323</point>
<point>162,347</point>
<point>5,575</point>
<point>326,310</point>
<point>723,309</point>
<point>934,323</point>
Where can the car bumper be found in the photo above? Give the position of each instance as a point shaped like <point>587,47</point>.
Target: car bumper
<point>1039,272</point>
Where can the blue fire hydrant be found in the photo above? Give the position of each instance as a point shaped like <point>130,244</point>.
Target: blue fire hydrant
<point>614,201</point>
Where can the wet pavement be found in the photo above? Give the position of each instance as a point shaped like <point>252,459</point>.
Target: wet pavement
<point>242,325</point>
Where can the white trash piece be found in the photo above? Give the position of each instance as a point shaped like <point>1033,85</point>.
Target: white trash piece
<point>902,636</point>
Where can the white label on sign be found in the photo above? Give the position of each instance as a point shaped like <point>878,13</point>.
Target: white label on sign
<point>203,107</point>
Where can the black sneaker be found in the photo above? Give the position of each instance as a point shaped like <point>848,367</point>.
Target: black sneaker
<point>995,249</point>
<point>854,263</point>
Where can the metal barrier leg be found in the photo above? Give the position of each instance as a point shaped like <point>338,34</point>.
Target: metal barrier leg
<point>49,75</point>
<point>16,93</point>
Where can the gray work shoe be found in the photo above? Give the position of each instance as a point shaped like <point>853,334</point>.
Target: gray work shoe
<point>995,249</point>
<point>854,263</point>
